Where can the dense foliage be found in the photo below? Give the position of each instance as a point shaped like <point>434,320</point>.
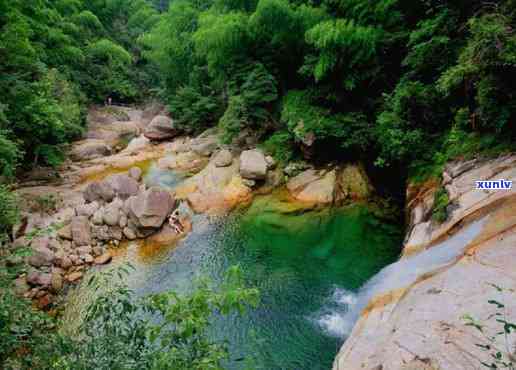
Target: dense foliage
<point>119,331</point>
<point>56,56</point>
<point>385,81</point>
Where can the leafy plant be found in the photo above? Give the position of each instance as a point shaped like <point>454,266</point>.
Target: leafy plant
<point>441,202</point>
<point>164,330</point>
<point>497,345</point>
<point>47,203</point>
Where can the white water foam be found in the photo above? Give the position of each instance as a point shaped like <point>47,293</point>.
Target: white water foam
<point>333,318</point>
<point>347,306</point>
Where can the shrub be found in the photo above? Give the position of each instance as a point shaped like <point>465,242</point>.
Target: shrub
<point>10,155</point>
<point>350,130</point>
<point>9,210</point>
<point>193,110</point>
<point>281,146</point>
<point>234,119</point>
<point>441,202</point>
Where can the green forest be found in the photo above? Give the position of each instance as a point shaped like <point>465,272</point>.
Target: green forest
<point>400,85</point>
<point>391,82</point>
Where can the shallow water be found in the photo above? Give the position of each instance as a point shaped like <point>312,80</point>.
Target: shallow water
<point>308,266</point>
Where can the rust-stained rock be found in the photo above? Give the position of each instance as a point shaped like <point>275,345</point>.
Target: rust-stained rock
<point>74,276</point>
<point>103,259</point>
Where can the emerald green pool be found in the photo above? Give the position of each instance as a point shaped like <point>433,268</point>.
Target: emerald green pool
<point>306,264</point>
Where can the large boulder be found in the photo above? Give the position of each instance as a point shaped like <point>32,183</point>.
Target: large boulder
<point>223,158</point>
<point>161,128</point>
<point>87,209</point>
<point>123,185</point>
<point>111,212</point>
<point>151,111</point>
<point>301,181</point>
<point>321,191</point>
<point>253,165</point>
<point>90,149</point>
<point>214,189</point>
<point>99,191</point>
<point>81,231</point>
<point>136,144</point>
<point>354,182</point>
<point>35,277</point>
<point>150,208</point>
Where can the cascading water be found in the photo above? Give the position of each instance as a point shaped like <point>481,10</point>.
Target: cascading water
<point>397,275</point>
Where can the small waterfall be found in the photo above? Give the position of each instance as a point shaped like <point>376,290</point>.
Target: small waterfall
<point>345,307</point>
<point>334,318</point>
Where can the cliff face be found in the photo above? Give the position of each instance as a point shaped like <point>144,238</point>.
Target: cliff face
<point>411,316</point>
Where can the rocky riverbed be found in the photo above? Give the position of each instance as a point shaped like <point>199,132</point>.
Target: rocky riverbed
<point>75,217</point>
<point>409,315</point>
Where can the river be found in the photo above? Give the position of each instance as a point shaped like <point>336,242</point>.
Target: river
<point>307,264</point>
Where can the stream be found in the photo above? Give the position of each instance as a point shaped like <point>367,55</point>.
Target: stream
<point>307,265</point>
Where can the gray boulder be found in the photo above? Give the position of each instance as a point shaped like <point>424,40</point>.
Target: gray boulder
<point>123,185</point>
<point>65,232</point>
<point>224,158</point>
<point>35,277</point>
<point>111,214</point>
<point>253,165</point>
<point>149,209</point>
<point>161,128</point>
<point>87,209</point>
<point>41,257</point>
<point>97,218</point>
<point>90,149</point>
<point>129,233</point>
<point>81,232</point>
<point>99,191</point>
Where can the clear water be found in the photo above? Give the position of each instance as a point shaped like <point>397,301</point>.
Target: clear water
<point>308,266</point>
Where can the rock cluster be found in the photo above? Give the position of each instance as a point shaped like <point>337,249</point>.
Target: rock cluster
<point>227,180</point>
<point>115,209</point>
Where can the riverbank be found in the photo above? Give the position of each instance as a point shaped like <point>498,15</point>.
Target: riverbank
<point>110,202</point>
<point>414,314</point>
